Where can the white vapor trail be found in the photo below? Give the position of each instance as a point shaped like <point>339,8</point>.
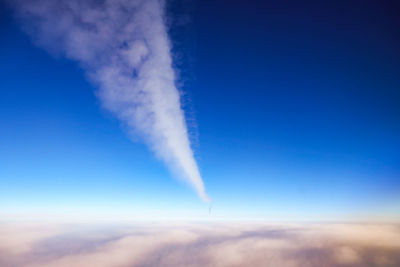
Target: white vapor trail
<point>124,48</point>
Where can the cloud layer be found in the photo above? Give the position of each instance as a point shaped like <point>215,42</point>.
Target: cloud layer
<point>201,244</point>
<point>124,49</point>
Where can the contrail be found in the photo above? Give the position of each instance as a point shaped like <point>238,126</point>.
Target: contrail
<point>124,49</point>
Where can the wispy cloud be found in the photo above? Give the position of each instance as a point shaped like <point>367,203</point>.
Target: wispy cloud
<point>207,244</point>
<point>123,47</point>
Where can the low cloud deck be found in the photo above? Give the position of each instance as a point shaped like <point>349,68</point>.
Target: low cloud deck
<point>199,244</point>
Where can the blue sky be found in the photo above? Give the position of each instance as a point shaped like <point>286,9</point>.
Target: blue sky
<point>294,112</point>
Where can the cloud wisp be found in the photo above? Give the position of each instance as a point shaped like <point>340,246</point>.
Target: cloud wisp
<point>124,49</point>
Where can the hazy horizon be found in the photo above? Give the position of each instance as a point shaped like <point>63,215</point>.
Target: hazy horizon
<point>199,244</point>
<point>199,133</point>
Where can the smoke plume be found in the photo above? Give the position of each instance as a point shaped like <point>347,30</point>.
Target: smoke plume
<point>124,49</point>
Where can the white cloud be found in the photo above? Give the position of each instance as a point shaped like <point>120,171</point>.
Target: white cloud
<point>124,48</point>
<point>199,244</point>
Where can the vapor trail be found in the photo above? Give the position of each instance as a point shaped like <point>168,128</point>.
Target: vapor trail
<point>124,48</point>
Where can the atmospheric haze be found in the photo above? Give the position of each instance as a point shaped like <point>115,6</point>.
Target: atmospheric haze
<point>124,49</point>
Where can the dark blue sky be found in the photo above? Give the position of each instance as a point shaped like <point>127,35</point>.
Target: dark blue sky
<point>295,110</point>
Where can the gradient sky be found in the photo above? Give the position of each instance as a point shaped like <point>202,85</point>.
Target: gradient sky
<point>294,111</point>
